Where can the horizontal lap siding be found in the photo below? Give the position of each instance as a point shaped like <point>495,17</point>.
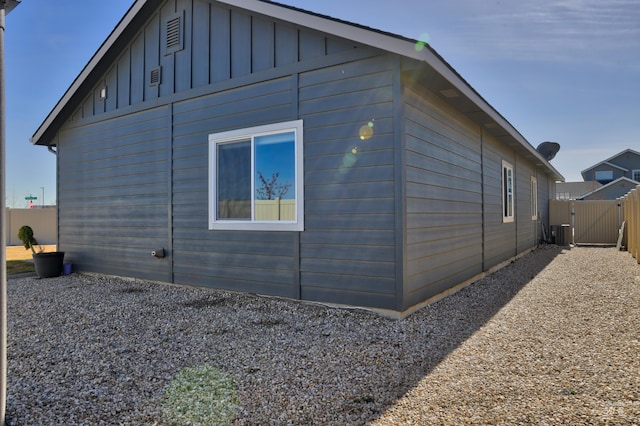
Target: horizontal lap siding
<point>232,52</point>
<point>113,203</point>
<point>444,198</point>
<point>260,262</point>
<point>500,238</point>
<point>348,246</point>
<point>526,227</point>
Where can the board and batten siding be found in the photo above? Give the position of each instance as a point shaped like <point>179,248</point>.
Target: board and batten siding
<point>112,194</point>
<point>221,43</point>
<point>347,251</point>
<point>443,197</point>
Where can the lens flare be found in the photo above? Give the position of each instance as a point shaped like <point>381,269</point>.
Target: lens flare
<point>422,42</point>
<point>348,161</point>
<point>350,158</point>
<point>366,132</point>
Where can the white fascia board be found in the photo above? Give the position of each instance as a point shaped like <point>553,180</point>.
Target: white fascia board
<point>620,154</point>
<point>88,69</point>
<point>390,43</point>
<point>605,162</point>
<point>608,160</point>
<point>614,182</point>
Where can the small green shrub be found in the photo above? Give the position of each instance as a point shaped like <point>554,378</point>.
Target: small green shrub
<point>200,395</point>
<point>25,234</point>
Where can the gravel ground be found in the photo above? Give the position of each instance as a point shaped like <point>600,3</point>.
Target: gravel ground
<point>550,339</point>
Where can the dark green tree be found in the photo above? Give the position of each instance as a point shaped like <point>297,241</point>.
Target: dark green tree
<point>25,233</point>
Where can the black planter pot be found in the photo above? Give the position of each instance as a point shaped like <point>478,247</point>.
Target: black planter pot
<point>49,264</point>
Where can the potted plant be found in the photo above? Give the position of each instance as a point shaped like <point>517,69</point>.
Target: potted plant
<point>47,264</point>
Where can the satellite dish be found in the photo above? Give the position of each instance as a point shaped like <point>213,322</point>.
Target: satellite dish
<point>548,150</point>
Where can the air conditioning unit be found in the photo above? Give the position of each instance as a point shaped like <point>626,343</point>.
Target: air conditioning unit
<point>561,234</point>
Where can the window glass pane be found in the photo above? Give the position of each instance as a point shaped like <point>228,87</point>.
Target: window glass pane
<point>604,175</point>
<point>274,177</point>
<point>256,176</point>
<point>507,191</point>
<point>534,198</point>
<point>510,191</point>
<point>234,180</point>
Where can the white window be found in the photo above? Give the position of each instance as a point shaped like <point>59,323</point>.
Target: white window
<point>256,178</point>
<point>507,192</point>
<point>635,175</point>
<point>534,198</point>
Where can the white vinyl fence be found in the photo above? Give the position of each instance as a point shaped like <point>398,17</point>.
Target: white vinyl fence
<point>43,221</point>
<point>631,215</point>
<point>591,222</point>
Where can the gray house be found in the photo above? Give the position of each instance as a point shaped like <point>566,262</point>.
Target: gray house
<point>625,164</point>
<point>618,175</point>
<point>272,150</point>
<point>611,191</point>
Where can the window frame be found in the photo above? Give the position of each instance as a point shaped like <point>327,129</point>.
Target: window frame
<point>534,198</point>
<point>508,205</point>
<point>633,172</point>
<point>238,135</point>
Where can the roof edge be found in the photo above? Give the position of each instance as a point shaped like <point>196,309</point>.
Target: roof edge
<point>611,158</point>
<point>392,43</point>
<point>613,182</point>
<point>386,41</point>
<point>607,163</point>
<point>87,70</point>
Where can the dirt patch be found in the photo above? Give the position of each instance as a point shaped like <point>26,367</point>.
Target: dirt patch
<point>19,252</point>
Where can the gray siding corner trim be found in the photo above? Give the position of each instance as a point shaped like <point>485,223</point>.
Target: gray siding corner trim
<point>400,193</point>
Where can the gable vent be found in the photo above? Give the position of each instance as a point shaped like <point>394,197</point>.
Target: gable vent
<point>155,77</point>
<point>174,34</point>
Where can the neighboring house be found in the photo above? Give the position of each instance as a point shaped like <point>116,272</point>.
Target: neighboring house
<point>625,164</point>
<point>391,179</point>
<point>611,191</point>
<point>575,190</point>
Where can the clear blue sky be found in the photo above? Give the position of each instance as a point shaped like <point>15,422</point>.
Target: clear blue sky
<point>564,70</point>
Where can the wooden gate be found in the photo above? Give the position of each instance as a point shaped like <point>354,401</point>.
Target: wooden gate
<point>593,222</point>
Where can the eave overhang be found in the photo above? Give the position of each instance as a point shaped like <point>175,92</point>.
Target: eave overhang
<point>482,110</point>
<point>9,5</point>
<point>139,12</point>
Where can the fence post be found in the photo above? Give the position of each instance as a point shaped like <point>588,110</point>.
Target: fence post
<point>633,223</point>
<point>636,222</point>
<point>625,219</point>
